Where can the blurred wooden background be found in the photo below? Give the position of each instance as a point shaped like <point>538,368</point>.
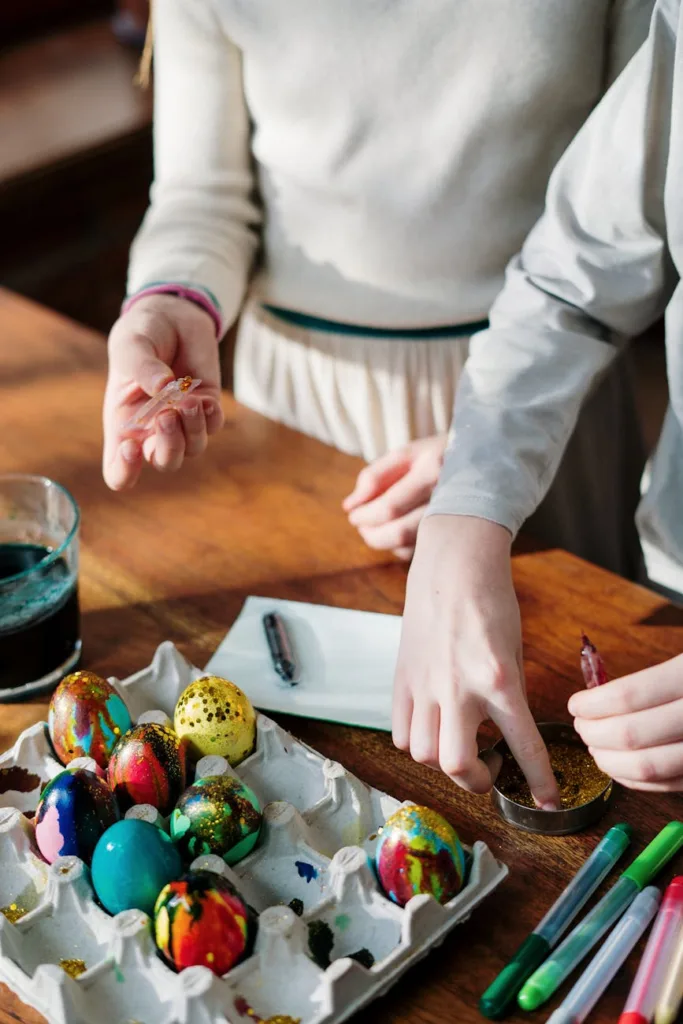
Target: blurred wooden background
<point>75,159</point>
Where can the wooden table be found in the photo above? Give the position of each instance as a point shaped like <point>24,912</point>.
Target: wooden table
<point>260,515</point>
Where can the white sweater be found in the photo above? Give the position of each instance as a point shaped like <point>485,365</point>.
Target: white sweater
<point>390,156</point>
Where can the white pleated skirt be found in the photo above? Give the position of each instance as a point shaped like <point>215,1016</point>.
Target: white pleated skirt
<point>363,395</point>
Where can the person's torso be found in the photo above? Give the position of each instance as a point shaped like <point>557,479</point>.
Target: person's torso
<point>403,148</point>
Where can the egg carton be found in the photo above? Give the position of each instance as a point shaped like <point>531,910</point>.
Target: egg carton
<point>328,941</point>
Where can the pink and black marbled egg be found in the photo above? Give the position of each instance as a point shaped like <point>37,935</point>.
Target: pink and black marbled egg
<point>148,766</point>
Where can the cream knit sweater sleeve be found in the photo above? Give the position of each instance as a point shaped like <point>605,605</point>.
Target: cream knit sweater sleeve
<point>202,225</point>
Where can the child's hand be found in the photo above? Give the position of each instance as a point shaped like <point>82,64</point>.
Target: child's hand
<point>391,495</point>
<point>460,660</point>
<point>160,338</point>
<point>633,727</point>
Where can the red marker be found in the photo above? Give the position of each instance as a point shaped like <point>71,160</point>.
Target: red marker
<point>648,982</point>
<point>591,664</point>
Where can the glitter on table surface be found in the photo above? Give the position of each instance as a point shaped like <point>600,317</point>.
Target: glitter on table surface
<point>578,777</point>
<point>13,912</point>
<point>73,967</point>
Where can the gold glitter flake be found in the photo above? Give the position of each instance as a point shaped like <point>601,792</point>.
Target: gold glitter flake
<point>73,967</point>
<point>184,383</point>
<point>578,777</point>
<point>13,913</point>
<point>413,815</point>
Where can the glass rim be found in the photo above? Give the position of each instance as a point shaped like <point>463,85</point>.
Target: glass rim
<point>52,556</point>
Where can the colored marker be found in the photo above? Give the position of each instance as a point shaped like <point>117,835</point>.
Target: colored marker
<point>649,980</point>
<point>671,998</point>
<point>501,994</point>
<point>559,965</point>
<point>592,665</point>
<point>607,962</point>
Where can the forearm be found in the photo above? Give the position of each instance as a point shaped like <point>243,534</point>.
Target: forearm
<point>516,408</point>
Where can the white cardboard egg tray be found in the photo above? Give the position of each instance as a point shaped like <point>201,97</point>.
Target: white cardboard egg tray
<point>320,823</point>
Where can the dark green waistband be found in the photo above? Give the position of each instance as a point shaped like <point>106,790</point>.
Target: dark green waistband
<point>315,323</point>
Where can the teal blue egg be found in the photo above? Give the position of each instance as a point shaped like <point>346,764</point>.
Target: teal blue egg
<point>132,863</point>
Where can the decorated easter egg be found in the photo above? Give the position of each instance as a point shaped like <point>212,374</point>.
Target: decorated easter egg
<point>75,809</point>
<point>86,718</point>
<point>202,920</point>
<point>419,852</point>
<point>215,717</point>
<point>132,863</point>
<point>219,815</point>
<point>147,766</point>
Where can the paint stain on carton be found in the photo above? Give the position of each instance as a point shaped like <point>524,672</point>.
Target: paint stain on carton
<point>18,780</point>
<point>320,943</point>
<point>306,870</point>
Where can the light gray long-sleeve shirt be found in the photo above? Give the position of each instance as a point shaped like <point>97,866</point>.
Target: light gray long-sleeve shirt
<point>602,265</point>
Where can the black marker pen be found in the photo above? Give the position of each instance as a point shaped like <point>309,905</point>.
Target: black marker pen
<point>280,648</point>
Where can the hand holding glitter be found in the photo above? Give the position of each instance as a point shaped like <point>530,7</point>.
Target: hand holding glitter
<point>169,397</point>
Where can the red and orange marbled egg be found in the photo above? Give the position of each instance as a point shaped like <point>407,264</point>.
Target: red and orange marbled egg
<point>202,920</point>
<point>148,766</point>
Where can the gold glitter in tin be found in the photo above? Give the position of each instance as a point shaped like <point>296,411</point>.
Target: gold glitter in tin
<point>73,967</point>
<point>214,717</point>
<point>578,777</point>
<point>281,1018</point>
<point>13,913</point>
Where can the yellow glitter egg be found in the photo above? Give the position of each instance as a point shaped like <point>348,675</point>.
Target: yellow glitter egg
<point>214,717</point>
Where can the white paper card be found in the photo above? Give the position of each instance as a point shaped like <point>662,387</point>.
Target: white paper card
<point>346,661</point>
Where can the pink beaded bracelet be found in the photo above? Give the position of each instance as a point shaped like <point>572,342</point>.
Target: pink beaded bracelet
<point>181,291</point>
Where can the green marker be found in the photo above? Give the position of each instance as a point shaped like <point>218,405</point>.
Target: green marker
<point>548,978</point>
<point>500,995</point>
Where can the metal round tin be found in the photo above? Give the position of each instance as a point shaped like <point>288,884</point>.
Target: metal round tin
<point>551,823</point>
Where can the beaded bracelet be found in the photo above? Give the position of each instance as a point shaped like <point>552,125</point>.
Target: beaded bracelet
<point>197,296</point>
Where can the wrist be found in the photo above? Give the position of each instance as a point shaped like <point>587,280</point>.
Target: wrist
<point>470,533</point>
<point>198,297</point>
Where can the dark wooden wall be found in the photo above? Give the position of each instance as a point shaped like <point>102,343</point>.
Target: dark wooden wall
<point>75,166</point>
<point>20,19</point>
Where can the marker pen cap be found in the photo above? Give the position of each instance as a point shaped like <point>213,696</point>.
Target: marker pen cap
<point>656,855</point>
